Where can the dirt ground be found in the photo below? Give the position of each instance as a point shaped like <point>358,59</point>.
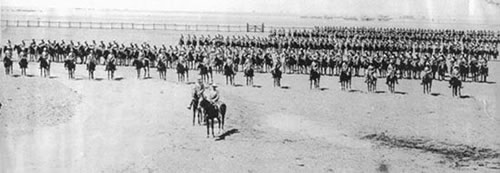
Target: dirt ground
<point>132,125</point>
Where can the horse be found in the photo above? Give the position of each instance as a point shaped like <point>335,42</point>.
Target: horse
<point>314,78</point>
<point>91,68</point>
<point>196,108</point>
<point>23,64</point>
<point>456,86</point>
<point>44,67</point>
<point>181,70</point>
<point>203,72</point>
<point>138,66</point>
<point>371,82</point>
<point>345,78</point>
<point>212,112</point>
<point>276,73</point>
<point>7,62</point>
<point>162,69</point>
<point>483,73</point>
<point>391,81</point>
<point>427,83</point>
<point>110,68</point>
<point>442,69</point>
<point>229,73</point>
<point>249,75</point>
<point>474,69</point>
<point>145,63</point>
<point>69,64</point>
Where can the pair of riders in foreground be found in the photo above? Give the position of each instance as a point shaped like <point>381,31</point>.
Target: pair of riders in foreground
<point>209,92</point>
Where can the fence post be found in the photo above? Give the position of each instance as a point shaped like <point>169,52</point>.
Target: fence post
<point>132,25</point>
<point>143,26</point>
<point>175,27</point>
<point>262,27</point>
<point>164,26</point>
<point>17,23</point>
<point>207,27</point>
<point>248,27</point>
<point>228,28</point>
<point>218,28</point>
<point>69,24</point>
<point>196,27</point>
<point>100,25</point>
<point>59,24</point>
<point>28,24</point>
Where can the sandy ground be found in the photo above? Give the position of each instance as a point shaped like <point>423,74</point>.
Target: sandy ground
<point>131,125</point>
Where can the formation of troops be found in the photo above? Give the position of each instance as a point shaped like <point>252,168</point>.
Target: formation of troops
<point>372,53</point>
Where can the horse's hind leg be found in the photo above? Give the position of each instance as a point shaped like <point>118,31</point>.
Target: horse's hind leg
<point>212,125</point>
<point>208,128</point>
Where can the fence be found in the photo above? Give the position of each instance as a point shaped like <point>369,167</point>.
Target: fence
<point>142,26</point>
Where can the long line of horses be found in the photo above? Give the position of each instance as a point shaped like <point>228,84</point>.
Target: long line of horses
<point>230,69</point>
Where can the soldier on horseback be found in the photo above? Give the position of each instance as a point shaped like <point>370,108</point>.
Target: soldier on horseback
<point>198,90</point>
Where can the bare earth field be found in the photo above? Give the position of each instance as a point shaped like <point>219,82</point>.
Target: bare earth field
<point>131,125</point>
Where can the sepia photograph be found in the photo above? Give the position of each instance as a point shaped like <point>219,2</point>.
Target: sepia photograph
<point>249,86</point>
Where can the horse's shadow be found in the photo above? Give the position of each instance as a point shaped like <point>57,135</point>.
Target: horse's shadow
<point>237,85</point>
<point>190,83</point>
<point>435,94</point>
<point>285,87</point>
<point>355,91</point>
<point>16,75</point>
<point>148,77</point>
<point>465,96</point>
<point>400,92</point>
<point>379,92</point>
<point>257,86</point>
<point>78,78</point>
<point>226,134</point>
<point>119,78</point>
<point>30,75</point>
<point>98,79</point>
<point>323,89</point>
<point>53,77</point>
<point>489,82</point>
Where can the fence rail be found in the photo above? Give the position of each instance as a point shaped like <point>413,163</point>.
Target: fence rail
<point>141,26</point>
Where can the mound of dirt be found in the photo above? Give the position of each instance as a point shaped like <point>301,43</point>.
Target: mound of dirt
<point>459,154</point>
<point>31,102</point>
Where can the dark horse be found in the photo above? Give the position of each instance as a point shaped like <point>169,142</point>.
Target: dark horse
<point>204,72</point>
<point>212,112</point>
<point>345,79</point>
<point>110,68</point>
<point>162,69</point>
<point>314,78</point>
<point>276,73</point>
<point>44,67</point>
<point>23,64</point>
<point>138,66</point>
<point>229,73</point>
<point>371,82</point>
<point>249,75</point>
<point>91,68</point>
<point>456,86</point>
<point>69,64</point>
<point>181,72</point>
<point>7,63</point>
<point>483,73</point>
<point>391,81</point>
<point>427,83</point>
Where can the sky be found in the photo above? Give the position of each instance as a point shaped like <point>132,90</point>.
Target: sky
<point>477,8</point>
